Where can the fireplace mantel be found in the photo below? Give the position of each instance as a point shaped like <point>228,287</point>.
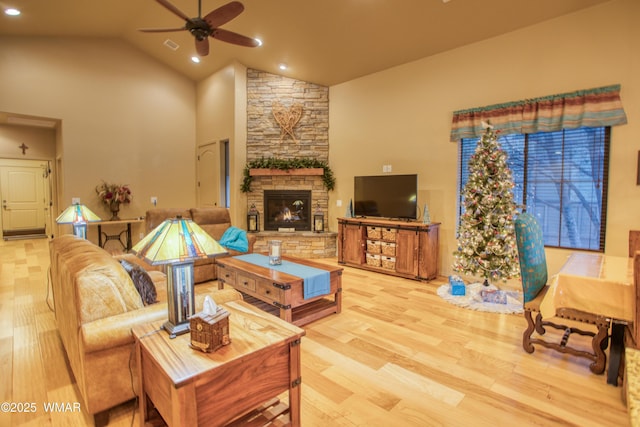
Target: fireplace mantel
<point>294,171</point>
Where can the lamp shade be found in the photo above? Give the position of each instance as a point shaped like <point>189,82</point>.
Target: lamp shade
<point>177,240</point>
<point>177,243</point>
<point>77,213</point>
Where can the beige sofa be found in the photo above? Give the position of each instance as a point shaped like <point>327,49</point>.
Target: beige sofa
<point>96,305</point>
<point>214,221</point>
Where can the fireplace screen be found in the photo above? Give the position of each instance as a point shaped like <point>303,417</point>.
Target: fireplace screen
<point>287,209</point>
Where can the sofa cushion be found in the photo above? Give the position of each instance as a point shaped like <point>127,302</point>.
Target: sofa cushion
<point>142,281</point>
<point>105,290</point>
<point>155,217</point>
<point>214,221</point>
<point>102,287</point>
<point>211,216</point>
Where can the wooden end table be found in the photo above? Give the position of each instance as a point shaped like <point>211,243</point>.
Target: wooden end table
<point>191,388</point>
<point>282,290</point>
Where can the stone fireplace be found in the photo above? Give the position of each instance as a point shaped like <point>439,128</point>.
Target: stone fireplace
<point>296,193</point>
<point>288,188</point>
<point>287,209</point>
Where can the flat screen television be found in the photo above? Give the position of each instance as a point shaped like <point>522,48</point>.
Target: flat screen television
<point>387,196</point>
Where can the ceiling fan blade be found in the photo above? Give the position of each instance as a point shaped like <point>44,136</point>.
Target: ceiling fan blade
<point>224,14</point>
<point>235,38</point>
<point>173,9</point>
<point>202,47</point>
<point>160,30</point>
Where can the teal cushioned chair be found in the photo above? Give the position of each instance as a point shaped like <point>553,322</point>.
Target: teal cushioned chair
<point>533,271</point>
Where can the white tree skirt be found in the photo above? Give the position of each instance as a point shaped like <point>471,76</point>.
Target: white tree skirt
<point>473,300</point>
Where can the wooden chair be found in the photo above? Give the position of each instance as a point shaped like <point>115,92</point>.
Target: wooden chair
<point>533,268</point>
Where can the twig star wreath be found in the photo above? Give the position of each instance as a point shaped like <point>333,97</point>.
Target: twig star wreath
<point>287,118</point>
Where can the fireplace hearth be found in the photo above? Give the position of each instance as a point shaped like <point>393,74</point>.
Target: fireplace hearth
<point>287,209</point>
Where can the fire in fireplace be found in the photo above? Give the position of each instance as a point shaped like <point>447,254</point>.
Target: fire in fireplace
<point>287,209</point>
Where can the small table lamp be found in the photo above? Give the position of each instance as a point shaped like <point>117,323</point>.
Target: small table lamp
<point>176,243</point>
<point>78,215</point>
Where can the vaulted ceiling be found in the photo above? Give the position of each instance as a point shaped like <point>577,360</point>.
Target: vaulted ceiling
<point>321,41</point>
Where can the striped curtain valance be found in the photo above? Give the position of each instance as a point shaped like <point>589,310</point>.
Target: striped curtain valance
<point>585,108</point>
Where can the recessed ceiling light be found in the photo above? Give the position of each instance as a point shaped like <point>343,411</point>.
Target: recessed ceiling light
<point>282,66</point>
<point>195,59</point>
<point>12,12</point>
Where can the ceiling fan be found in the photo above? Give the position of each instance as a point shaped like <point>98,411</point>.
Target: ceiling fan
<point>208,26</point>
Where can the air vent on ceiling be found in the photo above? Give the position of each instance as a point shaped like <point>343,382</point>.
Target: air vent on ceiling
<point>171,44</point>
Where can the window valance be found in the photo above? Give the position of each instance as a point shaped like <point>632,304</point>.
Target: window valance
<point>585,108</point>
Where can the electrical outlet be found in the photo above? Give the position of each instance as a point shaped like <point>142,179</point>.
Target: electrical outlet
<point>154,201</point>
<point>75,200</point>
<point>338,203</point>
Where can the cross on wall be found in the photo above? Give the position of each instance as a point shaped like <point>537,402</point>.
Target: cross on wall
<point>24,148</point>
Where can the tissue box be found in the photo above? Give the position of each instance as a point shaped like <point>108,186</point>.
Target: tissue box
<point>456,286</point>
<point>209,331</point>
<point>493,296</point>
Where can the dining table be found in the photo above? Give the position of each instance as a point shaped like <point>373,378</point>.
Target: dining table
<point>598,284</point>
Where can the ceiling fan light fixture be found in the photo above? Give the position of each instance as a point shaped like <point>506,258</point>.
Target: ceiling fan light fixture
<point>258,41</point>
<point>283,66</point>
<point>11,11</point>
<point>203,27</point>
<point>195,59</point>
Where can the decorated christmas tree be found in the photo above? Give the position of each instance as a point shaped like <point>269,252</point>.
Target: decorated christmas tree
<point>486,237</point>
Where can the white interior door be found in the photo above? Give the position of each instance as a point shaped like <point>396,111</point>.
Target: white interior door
<point>208,175</point>
<point>24,192</point>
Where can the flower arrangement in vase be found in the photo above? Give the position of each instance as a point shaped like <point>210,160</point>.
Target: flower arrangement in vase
<point>112,195</point>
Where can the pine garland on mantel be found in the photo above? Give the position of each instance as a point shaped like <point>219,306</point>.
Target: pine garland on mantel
<point>328,179</point>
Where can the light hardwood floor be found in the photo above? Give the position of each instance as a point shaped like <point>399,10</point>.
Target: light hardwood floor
<point>397,355</point>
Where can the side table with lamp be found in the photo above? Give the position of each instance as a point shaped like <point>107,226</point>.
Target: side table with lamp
<point>189,387</point>
<point>176,243</point>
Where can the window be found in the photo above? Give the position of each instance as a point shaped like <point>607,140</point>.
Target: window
<point>561,179</point>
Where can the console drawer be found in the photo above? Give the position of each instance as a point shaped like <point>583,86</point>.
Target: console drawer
<point>245,282</point>
<point>227,275</point>
<point>268,292</point>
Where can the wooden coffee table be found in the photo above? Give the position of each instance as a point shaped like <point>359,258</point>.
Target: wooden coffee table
<point>282,290</point>
<point>191,388</point>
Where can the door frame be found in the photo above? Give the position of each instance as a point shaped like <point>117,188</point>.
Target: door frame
<point>49,191</point>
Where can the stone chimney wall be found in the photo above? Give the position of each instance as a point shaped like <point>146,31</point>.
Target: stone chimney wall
<point>265,139</point>
<point>263,131</point>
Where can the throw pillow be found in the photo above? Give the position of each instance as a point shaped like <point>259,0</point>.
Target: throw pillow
<point>236,239</point>
<point>142,281</point>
